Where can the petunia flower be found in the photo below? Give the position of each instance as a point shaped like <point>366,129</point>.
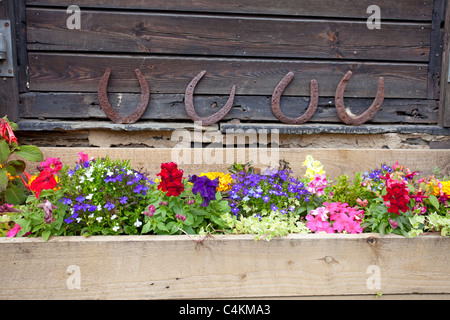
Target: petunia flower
<point>205,187</point>
<point>14,230</point>
<point>51,164</point>
<point>45,181</point>
<point>48,208</point>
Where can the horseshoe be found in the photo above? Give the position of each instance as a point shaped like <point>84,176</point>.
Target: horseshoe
<point>276,96</point>
<point>108,109</point>
<point>368,114</point>
<point>189,103</point>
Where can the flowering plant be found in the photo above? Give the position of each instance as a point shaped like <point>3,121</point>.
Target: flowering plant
<point>180,205</point>
<point>12,190</point>
<point>104,196</point>
<point>272,196</point>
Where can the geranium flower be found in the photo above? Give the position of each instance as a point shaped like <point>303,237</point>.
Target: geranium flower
<point>6,132</point>
<point>205,187</point>
<point>52,164</point>
<point>171,179</point>
<point>46,180</point>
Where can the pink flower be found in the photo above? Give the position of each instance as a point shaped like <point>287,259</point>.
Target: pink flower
<point>321,212</point>
<point>362,203</point>
<point>394,224</point>
<point>12,233</point>
<point>82,157</point>
<point>51,164</point>
<point>318,184</point>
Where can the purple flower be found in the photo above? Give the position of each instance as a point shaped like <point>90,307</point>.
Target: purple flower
<point>205,187</point>
<point>80,198</point>
<point>266,199</point>
<point>48,208</point>
<point>123,200</point>
<point>110,206</point>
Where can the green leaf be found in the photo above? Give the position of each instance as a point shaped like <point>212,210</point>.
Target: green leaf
<point>30,153</point>
<point>4,151</point>
<point>218,195</point>
<point>3,179</point>
<point>46,235</point>
<point>434,201</point>
<point>18,165</point>
<point>15,194</point>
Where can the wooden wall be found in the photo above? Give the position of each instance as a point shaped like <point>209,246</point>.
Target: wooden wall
<point>251,44</point>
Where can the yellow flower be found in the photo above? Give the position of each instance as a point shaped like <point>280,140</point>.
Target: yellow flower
<point>443,185</point>
<point>225,180</point>
<point>313,167</point>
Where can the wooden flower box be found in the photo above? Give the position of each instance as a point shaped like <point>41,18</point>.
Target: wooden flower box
<point>233,266</point>
<point>224,266</point>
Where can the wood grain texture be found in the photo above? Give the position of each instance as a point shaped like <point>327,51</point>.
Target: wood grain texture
<point>401,9</point>
<point>63,105</point>
<point>166,74</point>
<point>188,34</point>
<point>174,267</point>
<point>335,161</point>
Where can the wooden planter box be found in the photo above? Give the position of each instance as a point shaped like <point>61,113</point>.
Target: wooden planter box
<point>232,266</point>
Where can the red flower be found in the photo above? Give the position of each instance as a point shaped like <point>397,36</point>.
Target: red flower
<point>46,180</point>
<point>171,179</point>
<point>6,132</point>
<point>397,196</point>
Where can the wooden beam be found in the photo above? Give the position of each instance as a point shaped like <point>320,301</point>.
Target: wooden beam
<point>390,10</point>
<point>189,34</point>
<point>172,74</point>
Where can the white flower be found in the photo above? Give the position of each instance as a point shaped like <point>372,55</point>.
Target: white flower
<point>115,228</point>
<point>137,224</point>
<point>129,172</point>
<point>91,215</point>
<point>89,197</point>
<point>113,217</point>
<point>78,220</point>
<point>99,219</point>
<point>81,179</point>
<point>99,207</point>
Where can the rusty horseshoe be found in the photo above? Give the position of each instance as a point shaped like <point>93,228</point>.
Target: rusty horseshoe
<point>189,103</point>
<point>276,96</point>
<point>366,115</point>
<point>108,109</point>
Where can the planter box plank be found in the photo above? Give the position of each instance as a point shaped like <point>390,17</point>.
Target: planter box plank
<point>335,161</point>
<point>223,266</point>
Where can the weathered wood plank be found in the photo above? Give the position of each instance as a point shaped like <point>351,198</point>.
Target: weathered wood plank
<point>335,161</point>
<point>148,267</point>
<point>400,10</point>
<point>138,32</point>
<point>82,72</point>
<point>245,108</point>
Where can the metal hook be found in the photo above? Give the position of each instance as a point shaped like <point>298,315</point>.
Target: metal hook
<point>189,103</point>
<point>368,114</point>
<point>276,96</point>
<point>108,109</point>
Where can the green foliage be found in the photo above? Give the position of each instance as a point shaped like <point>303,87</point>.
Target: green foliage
<point>177,215</point>
<point>266,227</point>
<point>347,191</point>
<point>12,189</point>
